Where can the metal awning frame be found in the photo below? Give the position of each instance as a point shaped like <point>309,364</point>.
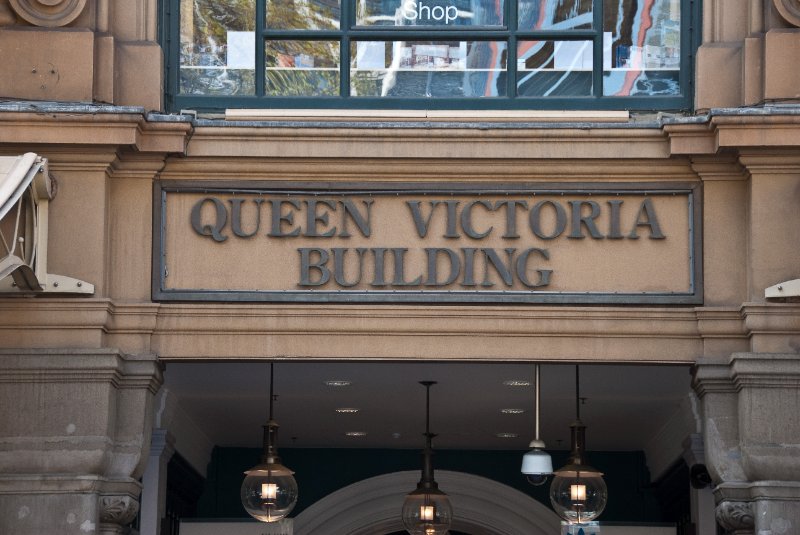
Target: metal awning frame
<point>25,194</point>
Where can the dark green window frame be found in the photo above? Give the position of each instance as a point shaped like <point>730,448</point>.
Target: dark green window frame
<point>689,41</point>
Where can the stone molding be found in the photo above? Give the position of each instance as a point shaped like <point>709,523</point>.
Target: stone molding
<point>736,517</point>
<point>741,370</point>
<point>789,10</point>
<point>48,13</point>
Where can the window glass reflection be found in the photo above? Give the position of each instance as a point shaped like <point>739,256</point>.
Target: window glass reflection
<point>217,47</point>
<point>443,69</point>
<point>554,15</point>
<point>554,68</point>
<point>303,14</point>
<point>302,68</point>
<point>438,13</point>
<point>643,41</point>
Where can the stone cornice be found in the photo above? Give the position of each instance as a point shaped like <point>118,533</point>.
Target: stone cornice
<point>716,167</point>
<point>31,123</point>
<point>735,129</point>
<point>84,365</point>
<point>85,126</point>
<point>773,162</point>
<point>746,370</point>
<point>772,318</point>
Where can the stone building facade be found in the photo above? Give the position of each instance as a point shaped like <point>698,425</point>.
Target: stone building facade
<point>83,84</point>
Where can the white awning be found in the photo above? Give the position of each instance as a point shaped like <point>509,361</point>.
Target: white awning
<point>25,194</point>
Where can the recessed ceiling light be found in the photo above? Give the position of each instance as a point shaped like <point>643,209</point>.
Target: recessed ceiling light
<point>517,382</point>
<point>507,435</point>
<point>338,382</point>
<point>347,410</point>
<point>512,411</point>
<point>356,433</point>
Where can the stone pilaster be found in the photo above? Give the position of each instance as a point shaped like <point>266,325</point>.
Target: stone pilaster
<point>74,425</point>
<point>752,438</point>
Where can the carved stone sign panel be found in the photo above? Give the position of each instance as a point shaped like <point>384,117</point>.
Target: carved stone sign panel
<point>503,243</point>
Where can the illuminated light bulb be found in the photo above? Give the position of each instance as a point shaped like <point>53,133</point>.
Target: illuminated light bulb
<point>426,512</point>
<point>577,493</point>
<point>269,491</point>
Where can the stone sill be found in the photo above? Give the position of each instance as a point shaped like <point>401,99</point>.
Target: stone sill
<point>538,116</point>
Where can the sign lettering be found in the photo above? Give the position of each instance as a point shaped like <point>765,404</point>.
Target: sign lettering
<point>310,242</point>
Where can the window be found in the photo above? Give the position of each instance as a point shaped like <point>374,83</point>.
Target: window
<point>480,54</point>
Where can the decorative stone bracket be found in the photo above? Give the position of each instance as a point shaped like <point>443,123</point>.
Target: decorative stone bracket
<point>736,517</point>
<point>119,510</point>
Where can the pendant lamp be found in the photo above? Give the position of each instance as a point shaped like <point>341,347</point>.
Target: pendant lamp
<point>426,510</point>
<point>269,490</point>
<point>537,464</point>
<point>578,492</point>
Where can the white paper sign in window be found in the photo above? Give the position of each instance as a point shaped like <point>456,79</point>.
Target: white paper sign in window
<point>241,50</point>
<point>370,55</point>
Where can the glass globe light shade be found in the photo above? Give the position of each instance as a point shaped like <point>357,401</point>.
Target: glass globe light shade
<point>269,492</point>
<point>578,496</point>
<point>427,512</point>
<point>537,465</point>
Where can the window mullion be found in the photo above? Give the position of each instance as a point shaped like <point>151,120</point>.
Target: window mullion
<point>511,61</point>
<point>346,10</point>
<point>597,60</point>
<point>261,59</point>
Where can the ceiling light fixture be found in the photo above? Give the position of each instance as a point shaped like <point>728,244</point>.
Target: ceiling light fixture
<point>356,433</point>
<point>269,492</point>
<point>427,510</point>
<point>537,464</point>
<point>337,382</point>
<point>578,492</point>
<point>347,410</point>
<point>516,382</point>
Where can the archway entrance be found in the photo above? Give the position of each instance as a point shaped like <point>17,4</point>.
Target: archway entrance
<point>480,507</point>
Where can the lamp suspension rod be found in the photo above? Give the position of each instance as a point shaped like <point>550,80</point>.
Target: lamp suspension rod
<point>271,385</point>
<point>538,397</point>
<point>577,392</point>
<point>427,409</point>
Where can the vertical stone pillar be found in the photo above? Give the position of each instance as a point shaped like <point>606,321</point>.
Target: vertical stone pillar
<point>73,428</point>
<point>154,482</point>
<point>750,404</point>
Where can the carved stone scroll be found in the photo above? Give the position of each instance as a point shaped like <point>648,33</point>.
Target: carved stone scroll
<point>49,13</point>
<point>789,10</point>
